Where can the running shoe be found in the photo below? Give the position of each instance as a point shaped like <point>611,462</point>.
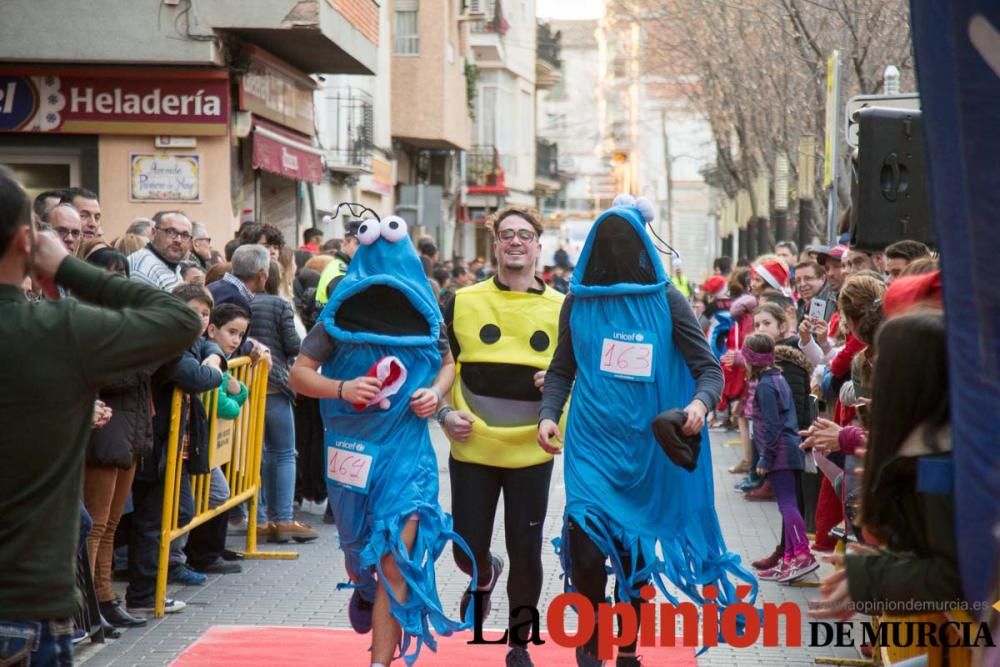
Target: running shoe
<point>170,606</point>
<point>584,659</point>
<point>359,611</point>
<point>774,573</point>
<point>629,661</point>
<point>798,567</point>
<point>497,567</point>
<point>518,656</point>
<point>179,573</point>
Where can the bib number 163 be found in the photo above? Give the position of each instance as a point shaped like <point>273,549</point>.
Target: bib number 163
<point>628,360</point>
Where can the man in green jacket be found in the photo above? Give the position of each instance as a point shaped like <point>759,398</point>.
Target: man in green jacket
<point>55,356</point>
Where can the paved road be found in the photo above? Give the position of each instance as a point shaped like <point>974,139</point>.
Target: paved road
<point>303,592</point>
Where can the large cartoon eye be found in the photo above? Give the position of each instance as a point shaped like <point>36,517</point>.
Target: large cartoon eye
<point>393,228</point>
<point>368,232</point>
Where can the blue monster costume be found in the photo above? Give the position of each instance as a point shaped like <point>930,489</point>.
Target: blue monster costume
<point>381,468</point>
<point>621,488</point>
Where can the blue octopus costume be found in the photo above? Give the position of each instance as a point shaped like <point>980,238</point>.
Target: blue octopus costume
<point>632,502</point>
<point>385,284</point>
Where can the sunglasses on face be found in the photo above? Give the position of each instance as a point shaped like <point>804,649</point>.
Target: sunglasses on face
<point>525,235</point>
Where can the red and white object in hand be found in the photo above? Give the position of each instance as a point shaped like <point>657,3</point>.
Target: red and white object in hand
<point>392,373</point>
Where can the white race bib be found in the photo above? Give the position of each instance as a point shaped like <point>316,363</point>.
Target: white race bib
<point>628,355</point>
<point>349,462</point>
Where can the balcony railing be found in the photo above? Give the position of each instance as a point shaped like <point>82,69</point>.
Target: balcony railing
<point>546,160</point>
<point>549,44</point>
<point>352,118</point>
<point>495,21</point>
<point>483,170</point>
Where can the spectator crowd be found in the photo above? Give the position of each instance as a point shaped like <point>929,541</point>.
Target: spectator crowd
<point>835,387</point>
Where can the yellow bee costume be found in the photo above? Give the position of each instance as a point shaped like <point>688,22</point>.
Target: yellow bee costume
<point>495,326</point>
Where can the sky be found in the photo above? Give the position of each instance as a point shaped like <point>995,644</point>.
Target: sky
<point>570,9</point>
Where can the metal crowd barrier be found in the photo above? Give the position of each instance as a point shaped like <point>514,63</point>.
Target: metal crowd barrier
<point>235,446</point>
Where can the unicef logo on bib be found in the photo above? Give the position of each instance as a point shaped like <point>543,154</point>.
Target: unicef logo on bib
<point>628,355</point>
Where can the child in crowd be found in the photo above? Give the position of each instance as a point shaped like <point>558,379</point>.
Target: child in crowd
<point>776,436</point>
<point>771,320</point>
<point>226,329</point>
<point>198,370</point>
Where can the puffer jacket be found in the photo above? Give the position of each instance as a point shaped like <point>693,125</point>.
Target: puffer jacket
<point>273,324</point>
<point>129,434</point>
<point>775,430</point>
<point>797,371</point>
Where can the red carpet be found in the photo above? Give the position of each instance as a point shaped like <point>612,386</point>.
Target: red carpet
<point>269,646</point>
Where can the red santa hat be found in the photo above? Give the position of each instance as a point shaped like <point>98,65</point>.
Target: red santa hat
<point>392,373</point>
<point>715,285</point>
<point>775,274</point>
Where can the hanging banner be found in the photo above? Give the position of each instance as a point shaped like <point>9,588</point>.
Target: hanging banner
<point>115,101</point>
<point>957,49</point>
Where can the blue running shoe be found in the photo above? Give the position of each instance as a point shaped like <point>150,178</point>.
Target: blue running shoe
<point>185,576</point>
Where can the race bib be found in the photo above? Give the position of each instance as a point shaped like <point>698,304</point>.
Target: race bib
<point>628,355</point>
<point>349,462</point>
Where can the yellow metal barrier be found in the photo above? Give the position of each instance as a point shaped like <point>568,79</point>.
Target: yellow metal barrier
<point>235,446</point>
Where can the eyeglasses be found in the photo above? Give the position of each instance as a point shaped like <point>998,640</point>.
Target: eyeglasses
<point>508,235</point>
<point>173,234</point>
<point>204,238</point>
<point>63,232</point>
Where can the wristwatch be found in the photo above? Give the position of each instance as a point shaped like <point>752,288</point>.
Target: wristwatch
<point>442,413</point>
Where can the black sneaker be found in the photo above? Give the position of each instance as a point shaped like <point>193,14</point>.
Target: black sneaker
<point>584,659</point>
<point>518,656</point>
<point>629,661</point>
<point>497,567</point>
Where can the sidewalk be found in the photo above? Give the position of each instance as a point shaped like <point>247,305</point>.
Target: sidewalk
<point>303,592</point>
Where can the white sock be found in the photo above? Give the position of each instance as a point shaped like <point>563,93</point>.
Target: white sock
<point>377,664</point>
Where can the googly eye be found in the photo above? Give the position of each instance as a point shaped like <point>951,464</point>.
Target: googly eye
<point>369,232</point>
<point>393,228</point>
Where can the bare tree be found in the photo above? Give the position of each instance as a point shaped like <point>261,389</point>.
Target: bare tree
<point>758,67</point>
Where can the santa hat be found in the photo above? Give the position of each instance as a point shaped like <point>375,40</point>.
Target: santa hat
<point>910,291</point>
<point>715,285</point>
<point>775,274</point>
<point>392,373</point>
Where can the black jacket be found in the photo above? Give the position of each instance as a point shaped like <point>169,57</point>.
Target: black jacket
<point>797,371</point>
<point>187,374</point>
<point>129,434</point>
<point>273,324</point>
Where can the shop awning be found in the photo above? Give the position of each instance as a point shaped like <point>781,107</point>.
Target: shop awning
<point>286,153</point>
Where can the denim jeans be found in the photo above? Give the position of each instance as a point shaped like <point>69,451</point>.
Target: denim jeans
<point>36,643</point>
<point>277,470</point>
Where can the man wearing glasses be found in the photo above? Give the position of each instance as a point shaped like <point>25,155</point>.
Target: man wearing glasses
<point>157,263</point>
<point>66,222</point>
<point>502,333</point>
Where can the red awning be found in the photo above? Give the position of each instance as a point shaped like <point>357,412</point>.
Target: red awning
<point>286,153</point>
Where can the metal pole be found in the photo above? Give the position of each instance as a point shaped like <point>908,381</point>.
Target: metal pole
<point>805,222</point>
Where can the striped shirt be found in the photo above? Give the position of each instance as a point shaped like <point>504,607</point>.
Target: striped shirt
<point>147,267</point>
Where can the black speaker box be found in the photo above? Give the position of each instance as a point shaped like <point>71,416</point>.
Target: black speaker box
<point>891,197</point>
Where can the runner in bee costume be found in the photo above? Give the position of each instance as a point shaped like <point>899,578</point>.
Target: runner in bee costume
<point>633,346</point>
<point>380,343</point>
<point>503,333</point>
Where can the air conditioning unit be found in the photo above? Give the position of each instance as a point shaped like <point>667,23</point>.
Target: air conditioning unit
<point>476,9</point>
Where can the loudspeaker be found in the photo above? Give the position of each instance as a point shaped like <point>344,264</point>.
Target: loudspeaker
<point>891,197</point>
